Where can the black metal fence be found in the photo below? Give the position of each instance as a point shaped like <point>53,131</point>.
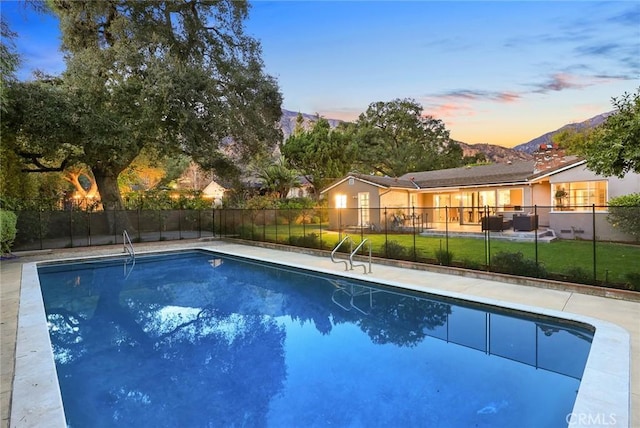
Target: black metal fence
<point>578,245</point>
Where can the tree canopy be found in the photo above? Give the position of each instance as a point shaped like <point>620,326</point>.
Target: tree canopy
<point>321,154</point>
<point>395,138</point>
<point>613,148</point>
<point>173,77</point>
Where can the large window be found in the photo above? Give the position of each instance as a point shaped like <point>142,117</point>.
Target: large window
<point>510,199</point>
<point>579,195</point>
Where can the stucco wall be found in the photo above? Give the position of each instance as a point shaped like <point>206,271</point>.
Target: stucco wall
<point>579,225</point>
<point>349,216</point>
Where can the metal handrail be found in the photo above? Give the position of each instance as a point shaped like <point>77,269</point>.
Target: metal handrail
<point>361,264</point>
<point>346,265</point>
<point>128,248</point>
<point>132,254</point>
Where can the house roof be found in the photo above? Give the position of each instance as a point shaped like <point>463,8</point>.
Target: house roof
<point>477,175</point>
<point>498,173</point>
<point>376,180</point>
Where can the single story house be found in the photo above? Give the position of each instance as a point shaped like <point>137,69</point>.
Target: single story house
<point>564,195</point>
<point>215,192</point>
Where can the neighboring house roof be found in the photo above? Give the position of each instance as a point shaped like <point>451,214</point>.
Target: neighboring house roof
<point>477,175</point>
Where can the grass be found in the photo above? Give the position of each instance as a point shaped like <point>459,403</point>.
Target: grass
<point>614,261</point>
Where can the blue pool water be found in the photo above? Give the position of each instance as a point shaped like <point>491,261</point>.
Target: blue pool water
<point>199,339</point>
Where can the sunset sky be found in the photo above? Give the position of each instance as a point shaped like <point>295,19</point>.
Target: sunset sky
<point>494,72</point>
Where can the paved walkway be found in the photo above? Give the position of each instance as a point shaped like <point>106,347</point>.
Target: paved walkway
<point>620,312</point>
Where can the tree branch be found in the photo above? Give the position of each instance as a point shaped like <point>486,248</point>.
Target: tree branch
<point>33,158</point>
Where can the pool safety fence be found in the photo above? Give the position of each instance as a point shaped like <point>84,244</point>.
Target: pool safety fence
<point>588,244</point>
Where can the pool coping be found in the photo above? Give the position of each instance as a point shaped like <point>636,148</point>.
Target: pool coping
<point>607,368</point>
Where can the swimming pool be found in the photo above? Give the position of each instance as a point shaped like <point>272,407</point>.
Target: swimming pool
<point>201,339</point>
<point>603,396</point>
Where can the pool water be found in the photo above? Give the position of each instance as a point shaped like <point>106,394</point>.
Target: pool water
<point>201,339</point>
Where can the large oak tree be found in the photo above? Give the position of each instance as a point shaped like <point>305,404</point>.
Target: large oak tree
<point>395,138</point>
<point>176,77</point>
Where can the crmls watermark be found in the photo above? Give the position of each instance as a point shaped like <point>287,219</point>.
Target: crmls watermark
<point>591,419</point>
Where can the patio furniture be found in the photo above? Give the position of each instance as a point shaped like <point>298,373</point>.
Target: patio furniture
<point>525,223</point>
<point>494,223</point>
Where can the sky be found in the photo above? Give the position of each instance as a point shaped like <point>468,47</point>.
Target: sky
<point>500,72</point>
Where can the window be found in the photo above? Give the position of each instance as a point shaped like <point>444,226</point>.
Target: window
<point>487,198</point>
<point>510,199</point>
<point>579,196</point>
<point>363,205</point>
<point>341,201</point>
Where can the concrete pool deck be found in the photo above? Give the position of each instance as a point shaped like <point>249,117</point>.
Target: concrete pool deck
<point>570,304</point>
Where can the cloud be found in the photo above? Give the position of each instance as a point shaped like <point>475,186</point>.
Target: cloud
<point>476,95</point>
<point>630,17</point>
<point>559,82</point>
<point>562,81</point>
<point>605,49</point>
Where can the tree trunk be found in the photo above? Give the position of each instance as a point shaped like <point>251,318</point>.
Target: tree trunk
<point>107,182</point>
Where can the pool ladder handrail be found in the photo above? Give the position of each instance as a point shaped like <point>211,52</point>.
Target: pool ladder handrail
<point>128,248</point>
<point>361,264</point>
<point>346,264</point>
<point>350,265</point>
<point>127,245</point>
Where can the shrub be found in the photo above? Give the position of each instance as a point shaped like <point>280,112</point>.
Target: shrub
<point>516,264</point>
<point>471,264</point>
<point>579,275</point>
<point>633,279</point>
<point>394,250</point>
<point>444,257</point>
<point>311,240</point>
<point>247,232</point>
<point>624,214</point>
<point>8,221</point>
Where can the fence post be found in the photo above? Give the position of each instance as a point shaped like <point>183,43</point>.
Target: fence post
<point>535,232</point>
<point>289,223</point>
<point>115,226</point>
<point>386,252</point>
<point>487,236</point>
<point>320,225</point>
<point>446,228</point>
<point>40,227</point>
<point>180,223</point>
<point>413,220</point>
<point>593,219</point>
<point>213,221</point>
<point>71,225</point>
<point>264,225</point>
<point>89,228</point>
<point>253,224</point>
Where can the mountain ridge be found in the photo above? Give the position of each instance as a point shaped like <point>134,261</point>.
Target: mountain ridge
<point>493,152</point>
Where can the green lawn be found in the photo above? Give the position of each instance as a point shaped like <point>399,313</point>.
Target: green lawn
<point>613,261</point>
